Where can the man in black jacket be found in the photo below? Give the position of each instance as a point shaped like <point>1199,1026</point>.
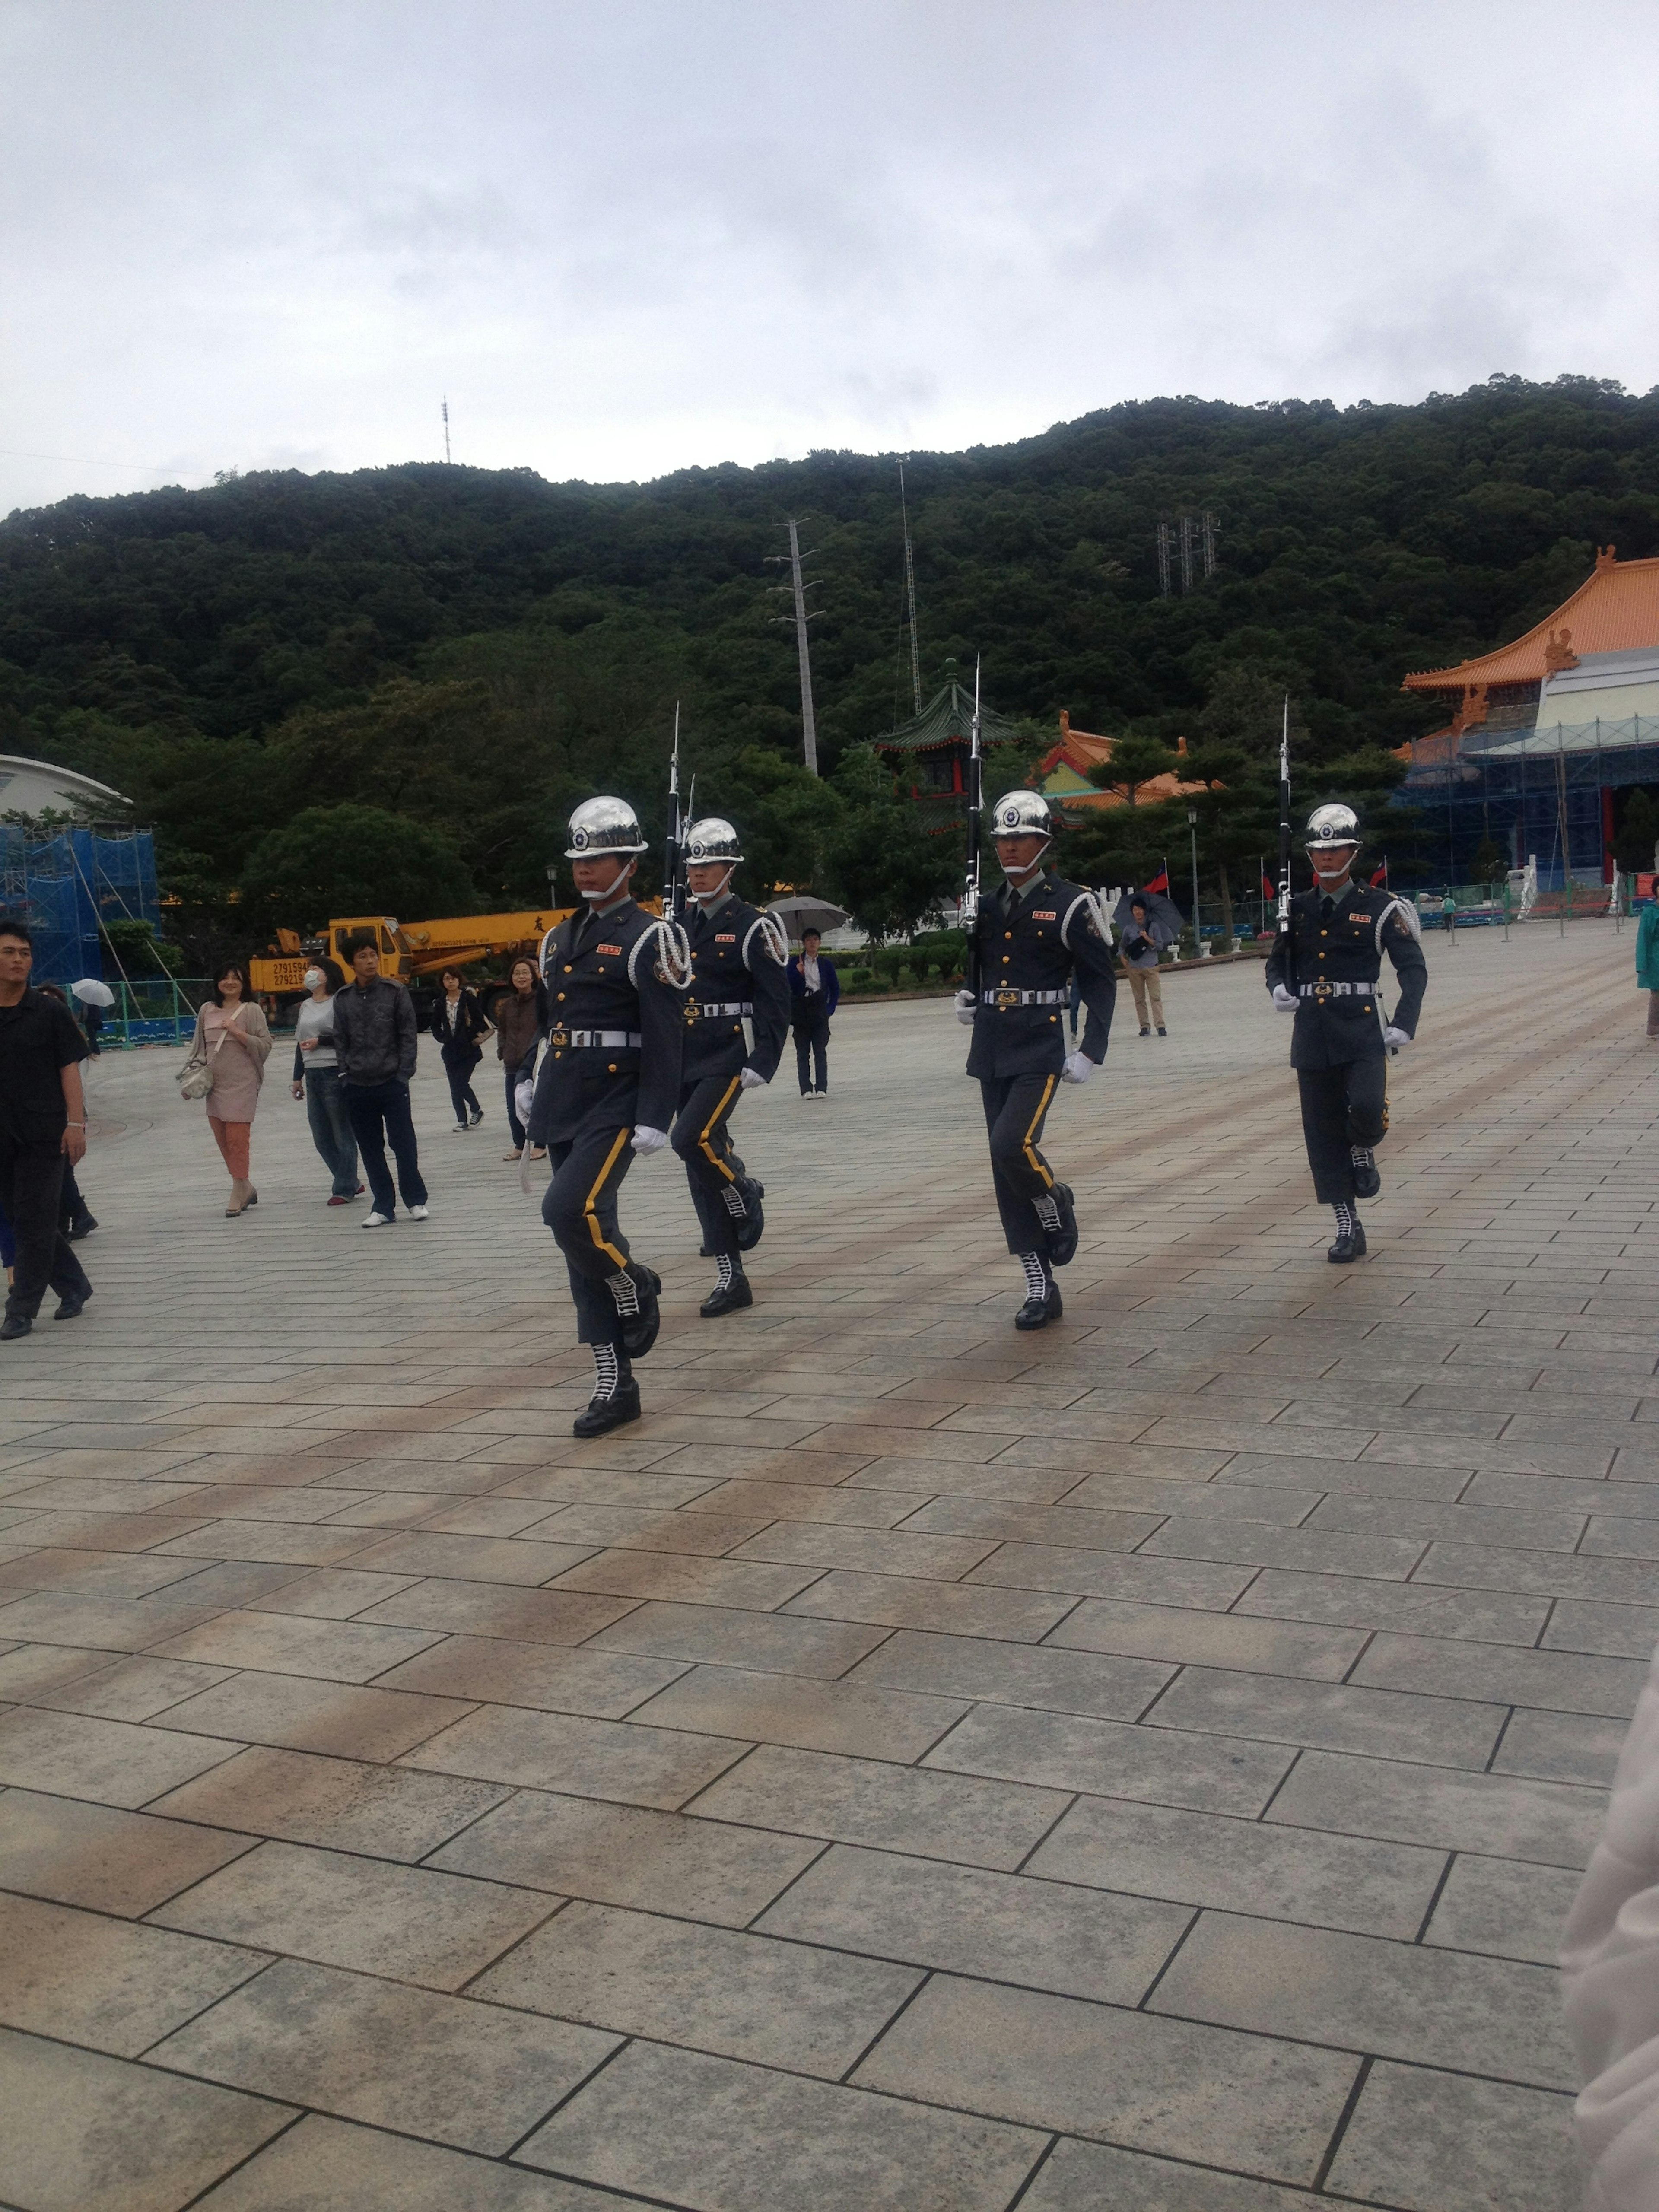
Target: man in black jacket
<point>43,1129</point>
<point>1327,970</point>
<point>738,962</point>
<point>1032,937</point>
<point>609,1085</point>
<point>375,1041</point>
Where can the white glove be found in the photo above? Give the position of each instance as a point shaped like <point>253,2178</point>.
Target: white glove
<point>647,1141</point>
<point>1394,1039</point>
<point>1284,1000</point>
<point>752,1079</point>
<point>524,1097</point>
<point>1077,1069</point>
<point>965,1004</point>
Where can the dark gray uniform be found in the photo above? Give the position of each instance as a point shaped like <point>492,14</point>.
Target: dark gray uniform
<point>734,973</point>
<point>612,1063</point>
<point>1030,946</point>
<point>1337,1048</point>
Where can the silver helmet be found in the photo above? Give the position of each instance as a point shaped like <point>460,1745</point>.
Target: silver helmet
<point>1332,825</point>
<point>603,825</point>
<point>1022,814</point>
<point>712,839</point>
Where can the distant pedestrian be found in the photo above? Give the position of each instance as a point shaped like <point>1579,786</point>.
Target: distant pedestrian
<point>232,1039</point>
<point>458,1024</point>
<point>520,1014</point>
<point>1143,939</point>
<point>317,1080</point>
<point>814,995</point>
<point>43,1124</point>
<point>1647,962</point>
<point>376,1040</point>
<point>1448,914</point>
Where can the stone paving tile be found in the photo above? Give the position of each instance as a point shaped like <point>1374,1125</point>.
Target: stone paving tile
<point>1561,1681</point>
<point>524,1616</point>
<point>110,1624</point>
<point>781,1644</point>
<point>1069,1751</point>
<point>715,2136</point>
<point>109,1762</point>
<point>113,1985</point>
<point>637,1765</point>
<point>807,2009</point>
<point>135,1689</point>
<point>29,1671</point>
<point>375,1918</point>
<point>1613,1632</point>
<point>1560,1747</point>
<point>474,2076</point>
<point>341,1804</point>
<point>1245,1866</point>
<point>118,1862</point>
<point>968,1920</point>
<point>305,1714</point>
<point>1543,1820</point>
<point>1492,1616</point>
<point>1104,1574</point>
<point>1015,1674</point>
<point>1082,2177</point>
<point>1432,2141</point>
<point>699,1869</point>
<point>1210,1639</point>
<point>79,2131</point>
<point>604,1684</point>
<point>1150,2083</point>
<point>324,2163</point>
<point>1445,1730</point>
<point>279,1644</point>
<point>1504,1908</point>
<point>849,1717</point>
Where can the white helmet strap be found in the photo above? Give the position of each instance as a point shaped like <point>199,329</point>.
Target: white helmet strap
<point>1031,867</point>
<point>599,898</point>
<point>709,898</point>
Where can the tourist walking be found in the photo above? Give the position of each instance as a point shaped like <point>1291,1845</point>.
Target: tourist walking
<point>458,1024</point>
<point>376,1042</point>
<point>317,1080</point>
<point>75,1216</point>
<point>1647,962</point>
<point>609,1085</point>
<point>1143,939</point>
<point>43,1124</point>
<point>1031,938</point>
<point>815,992</point>
<point>1327,970</point>
<point>737,964</point>
<point>233,1041</point>
<point>520,1014</point>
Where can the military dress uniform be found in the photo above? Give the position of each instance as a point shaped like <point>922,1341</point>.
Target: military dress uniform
<point>738,957</point>
<point>1030,944</point>
<point>1336,944</point>
<point>612,1064</point>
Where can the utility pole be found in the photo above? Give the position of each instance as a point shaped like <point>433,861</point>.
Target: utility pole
<point>1186,555</point>
<point>1164,536</point>
<point>1207,524</point>
<point>802,615</point>
<point>445,414</point>
<point>1192,832</point>
<point>910,595</point>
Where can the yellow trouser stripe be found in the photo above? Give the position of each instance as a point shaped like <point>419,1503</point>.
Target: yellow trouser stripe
<point>590,1205</point>
<point>1031,1154</point>
<point>708,1152</point>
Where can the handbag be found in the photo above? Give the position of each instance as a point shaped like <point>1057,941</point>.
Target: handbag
<point>195,1078</point>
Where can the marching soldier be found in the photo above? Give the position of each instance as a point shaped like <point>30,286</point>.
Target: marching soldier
<point>615,979</point>
<point>1327,969</point>
<point>1031,938</point>
<point>737,968</point>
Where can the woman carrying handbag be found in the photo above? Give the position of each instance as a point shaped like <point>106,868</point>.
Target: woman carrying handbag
<point>231,1048</point>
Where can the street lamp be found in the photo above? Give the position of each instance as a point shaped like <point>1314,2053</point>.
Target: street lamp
<point>1192,832</point>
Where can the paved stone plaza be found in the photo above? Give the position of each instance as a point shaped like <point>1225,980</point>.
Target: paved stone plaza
<point>919,1768</point>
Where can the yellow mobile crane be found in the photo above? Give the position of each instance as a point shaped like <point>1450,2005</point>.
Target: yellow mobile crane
<point>407,949</point>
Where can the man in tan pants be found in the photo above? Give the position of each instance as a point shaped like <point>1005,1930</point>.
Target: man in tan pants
<point>1140,958</point>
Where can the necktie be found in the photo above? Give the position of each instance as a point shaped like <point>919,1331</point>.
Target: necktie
<point>1329,907</point>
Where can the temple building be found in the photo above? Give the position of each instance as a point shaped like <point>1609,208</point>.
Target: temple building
<point>1062,773</point>
<point>1543,732</point>
<point>929,753</point>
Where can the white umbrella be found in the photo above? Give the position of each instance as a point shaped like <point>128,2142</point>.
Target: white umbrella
<point>807,913</point>
<point>91,992</point>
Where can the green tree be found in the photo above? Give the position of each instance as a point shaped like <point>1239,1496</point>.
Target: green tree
<point>331,862</point>
<point>1637,836</point>
<point>880,863</point>
<point>1135,761</point>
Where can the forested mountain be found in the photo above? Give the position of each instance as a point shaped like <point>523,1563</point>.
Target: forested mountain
<point>471,650</point>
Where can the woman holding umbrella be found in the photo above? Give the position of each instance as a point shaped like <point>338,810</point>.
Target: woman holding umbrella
<point>1146,920</point>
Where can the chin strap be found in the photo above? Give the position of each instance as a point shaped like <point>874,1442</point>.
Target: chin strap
<point>706,899</point>
<point>597,898</point>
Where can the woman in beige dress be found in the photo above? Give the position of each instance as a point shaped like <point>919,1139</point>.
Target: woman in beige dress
<point>233,1037</point>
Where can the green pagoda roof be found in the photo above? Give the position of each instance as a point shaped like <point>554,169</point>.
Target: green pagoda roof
<point>947,719</point>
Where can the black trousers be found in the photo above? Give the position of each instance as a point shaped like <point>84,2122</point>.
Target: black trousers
<point>580,1209</point>
<point>380,1116</point>
<point>702,1137</point>
<point>1341,1107</point>
<point>810,1020</point>
<point>458,1067</point>
<point>31,1177</point>
<point>1016,1107</point>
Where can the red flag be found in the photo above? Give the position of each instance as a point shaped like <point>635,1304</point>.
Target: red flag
<point>1380,880</point>
<point>1160,882</point>
<point>1269,891</point>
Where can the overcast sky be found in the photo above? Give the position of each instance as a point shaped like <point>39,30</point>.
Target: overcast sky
<point>624,236</point>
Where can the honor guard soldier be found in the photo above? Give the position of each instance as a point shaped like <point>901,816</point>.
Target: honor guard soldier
<point>1031,938</point>
<point>609,1079</point>
<point>1326,970</point>
<point>738,958</point>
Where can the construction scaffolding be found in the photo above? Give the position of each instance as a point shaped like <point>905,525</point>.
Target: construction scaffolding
<point>67,886</point>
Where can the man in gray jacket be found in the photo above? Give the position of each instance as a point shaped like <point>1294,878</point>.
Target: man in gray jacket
<point>375,1041</point>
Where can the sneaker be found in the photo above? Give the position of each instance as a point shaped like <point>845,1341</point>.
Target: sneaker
<point>476,1119</point>
<point>375,1221</point>
<point>460,1129</point>
<point>1145,1030</point>
<point>417,1213</point>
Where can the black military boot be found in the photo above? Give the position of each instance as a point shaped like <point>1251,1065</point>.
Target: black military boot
<point>1349,1237</point>
<point>615,1398</point>
<point>634,1290</point>
<point>1367,1181</point>
<point>730,1295</point>
<point>1062,1238</point>
<point>752,1220</point>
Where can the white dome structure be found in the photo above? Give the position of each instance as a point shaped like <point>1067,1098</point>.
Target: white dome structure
<point>31,787</point>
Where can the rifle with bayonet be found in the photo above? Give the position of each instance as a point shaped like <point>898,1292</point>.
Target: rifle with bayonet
<point>1286,939</point>
<point>673,858</point>
<point>969,910</point>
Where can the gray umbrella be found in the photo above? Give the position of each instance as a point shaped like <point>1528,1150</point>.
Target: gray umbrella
<point>1165,920</point>
<point>807,913</point>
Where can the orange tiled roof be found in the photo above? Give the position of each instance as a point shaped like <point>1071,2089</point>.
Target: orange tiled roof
<point>1080,750</point>
<point>1614,610</point>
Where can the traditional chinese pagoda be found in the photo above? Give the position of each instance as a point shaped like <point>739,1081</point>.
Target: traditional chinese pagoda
<point>1063,773</point>
<point>929,753</point>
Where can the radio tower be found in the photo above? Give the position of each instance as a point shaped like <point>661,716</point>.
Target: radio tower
<point>910,598</point>
<point>446,416</point>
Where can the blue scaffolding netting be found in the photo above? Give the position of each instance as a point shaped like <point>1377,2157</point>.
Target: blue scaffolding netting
<point>66,887</point>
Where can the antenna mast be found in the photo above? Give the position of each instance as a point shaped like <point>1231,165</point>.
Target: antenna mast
<point>445,417</point>
<point>911,597</point>
<point>803,615</point>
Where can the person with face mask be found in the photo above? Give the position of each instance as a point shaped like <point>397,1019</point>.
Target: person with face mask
<point>1327,970</point>
<point>609,1086</point>
<point>317,1080</point>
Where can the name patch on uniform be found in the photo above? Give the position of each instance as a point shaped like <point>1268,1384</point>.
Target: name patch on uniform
<point>1042,914</point>
<point>1359,917</point>
<point>726,940</point>
<point>614,949</point>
